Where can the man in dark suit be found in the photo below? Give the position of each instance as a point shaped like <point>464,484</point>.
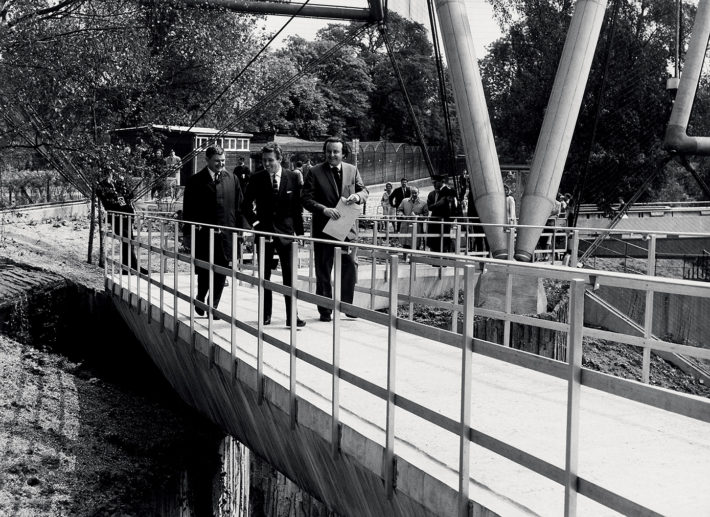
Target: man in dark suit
<point>242,172</point>
<point>442,203</point>
<point>273,204</point>
<point>400,193</point>
<point>323,187</point>
<point>212,196</point>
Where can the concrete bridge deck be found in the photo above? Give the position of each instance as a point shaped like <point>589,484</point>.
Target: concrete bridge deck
<point>658,459</point>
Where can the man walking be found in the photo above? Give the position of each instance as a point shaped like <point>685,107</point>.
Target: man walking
<point>242,172</point>
<point>398,194</point>
<point>412,208</point>
<point>442,205</point>
<point>324,185</point>
<point>272,204</point>
<point>213,196</point>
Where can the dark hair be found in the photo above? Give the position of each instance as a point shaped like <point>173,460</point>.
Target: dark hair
<point>403,179</point>
<point>212,150</point>
<point>299,163</point>
<point>241,158</point>
<point>337,140</point>
<point>272,147</point>
<point>388,184</point>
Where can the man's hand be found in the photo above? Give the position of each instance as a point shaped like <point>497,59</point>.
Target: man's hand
<point>353,198</point>
<point>331,213</point>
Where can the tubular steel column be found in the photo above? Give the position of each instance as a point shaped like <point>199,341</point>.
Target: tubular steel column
<point>559,122</point>
<point>466,380</point>
<point>476,131</point>
<point>335,393</point>
<point>389,466</point>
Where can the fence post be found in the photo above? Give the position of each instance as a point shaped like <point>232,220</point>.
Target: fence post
<point>466,379</point>
<point>335,419</point>
<point>509,288</point>
<point>236,243</point>
<point>162,276</point>
<point>574,378</point>
<point>389,466</point>
<point>176,321</point>
<point>574,254</point>
<point>648,313</point>
<point>260,318</point>
<point>150,270</point>
<point>210,295</point>
<point>293,334</point>
<point>138,263</point>
<point>457,251</point>
<point>192,284</point>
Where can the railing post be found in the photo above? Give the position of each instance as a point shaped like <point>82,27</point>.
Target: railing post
<point>553,248</point>
<point>150,269</point>
<point>574,254</point>
<point>337,289</point>
<point>176,321</point>
<point>648,313</point>
<point>260,319</point>
<point>389,464</point>
<point>466,379</point>
<point>574,379</point>
<point>509,288</point>
<point>210,293</point>
<point>457,251</point>
<point>162,276</point>
<point>120,253</point>
<point>192,283</point>
<point>138,263</point>
<point>415,247</point>
<point>373,267</point>
<point>113,246</point>
<point>294,328</point>
<point>236,243</point>
<point>311,266</point>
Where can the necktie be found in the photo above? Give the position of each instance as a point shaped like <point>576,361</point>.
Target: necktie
<point>338,178</point>
<point>274,184</point>
<point>216,177</point>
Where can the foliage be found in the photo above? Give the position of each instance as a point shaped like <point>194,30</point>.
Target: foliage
<point>519,71</point>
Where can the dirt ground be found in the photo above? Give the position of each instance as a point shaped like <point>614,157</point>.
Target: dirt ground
<point>71,442</point>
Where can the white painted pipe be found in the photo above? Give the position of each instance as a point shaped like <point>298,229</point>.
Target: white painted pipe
<point>559,122</point>
<point>677,138</point>
<point>477,134</point>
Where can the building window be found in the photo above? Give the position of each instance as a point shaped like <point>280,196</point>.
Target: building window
<point>243,143</point>
<point>228,144</point>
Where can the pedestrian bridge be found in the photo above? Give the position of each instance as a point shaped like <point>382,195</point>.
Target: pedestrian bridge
<point>384,415</point>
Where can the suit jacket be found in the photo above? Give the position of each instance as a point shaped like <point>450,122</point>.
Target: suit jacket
<point>445,207</point>
<point>212,203</point>
<point>281,213</point>
<point>320,192</point>
<point>398,195</point>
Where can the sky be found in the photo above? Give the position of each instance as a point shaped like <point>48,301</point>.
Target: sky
<point>480,16</point>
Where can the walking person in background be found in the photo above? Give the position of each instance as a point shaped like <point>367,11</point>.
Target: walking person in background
<point>242,172</point>
<point>442,204</point>
<point>388,211</point>
<point>212,196</point>
<point>413,208</point>
<point>272,204</point>
<point>398,194</point>
<point>510,216</point>
<point>324,185</point>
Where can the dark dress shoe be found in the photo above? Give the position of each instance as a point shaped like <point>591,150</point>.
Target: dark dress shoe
<point>267,320</point>
<point>299,323</point>
<point>199,311</point>
<point>351,316</point>
<point>325,317</point>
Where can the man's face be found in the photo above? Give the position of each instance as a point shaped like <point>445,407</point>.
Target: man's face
<point>334,153</point>
<point>404,183</point>
<point>216,162</point>
<point>270,162</point>
<point>438,184</point>
<point>172,153</point>
<point>415,193</point>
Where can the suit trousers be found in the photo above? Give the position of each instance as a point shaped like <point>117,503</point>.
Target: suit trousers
<point>203,274</point>
<point>128,253</point>
<point>324,257</point>
<point>284,252</point>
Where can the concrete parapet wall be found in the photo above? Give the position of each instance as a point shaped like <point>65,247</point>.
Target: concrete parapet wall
<point>349,483</point>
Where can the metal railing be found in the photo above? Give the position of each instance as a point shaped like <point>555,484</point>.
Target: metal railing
<point>160,237</point>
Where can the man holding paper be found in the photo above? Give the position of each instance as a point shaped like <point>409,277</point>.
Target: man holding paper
<point>326,185</point>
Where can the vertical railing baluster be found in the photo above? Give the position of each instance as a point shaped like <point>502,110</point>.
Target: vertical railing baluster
<point>457,251</point>
<point>294,329</point>
<point>192,284</point>
<point>554,244</point>
<point>150,270</point>
<point>373,275</point>
<point>648,314</point>
<point>311,266</point>
<point>335,392</point>
<point>260,318</point>
<point>138,262</point>
<point>466,380</point>
<point>509,288</point>
<point>415,247</point>
<point>210,295</point>
<point>162,276</point>
<point>176,320</point>
<point>120,252</point>
<point>574,254</point>
<point>236,242</point>
<point>389,464</point>
<point>574,379</point>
